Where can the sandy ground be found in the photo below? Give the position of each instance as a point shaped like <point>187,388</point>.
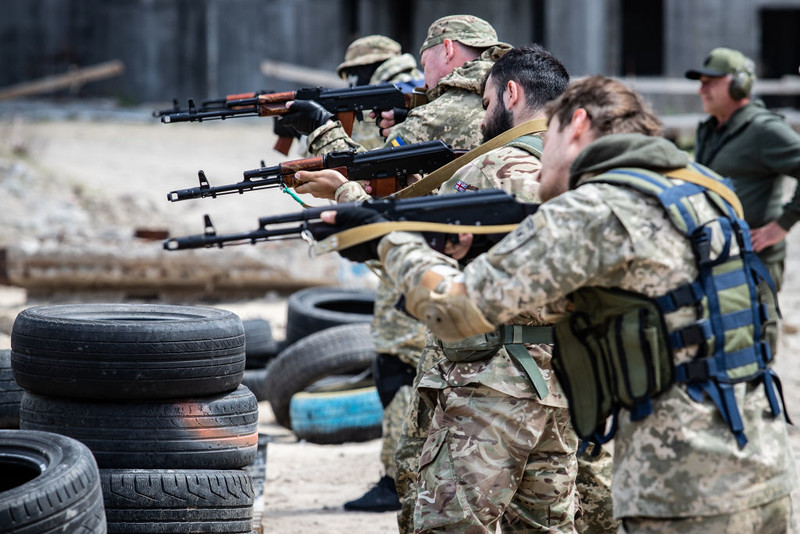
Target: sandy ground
<point>142,159</point>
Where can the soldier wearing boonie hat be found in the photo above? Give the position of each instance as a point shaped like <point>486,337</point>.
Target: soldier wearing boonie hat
<point>368,50</point>
<point>466,29</point>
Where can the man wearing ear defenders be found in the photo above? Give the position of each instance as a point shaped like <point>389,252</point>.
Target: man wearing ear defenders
<point>752,146</point>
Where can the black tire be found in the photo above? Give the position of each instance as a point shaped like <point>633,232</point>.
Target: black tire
<point>317,308</point>
<point>338,416</point>
<point>340,350</point>
<point>260,346</point>
<point>127,351</point>
<point>213,432</point>
<point>256,381</point>
<point>10,393</point>
<point>49,484</point>
<point>155,501</point>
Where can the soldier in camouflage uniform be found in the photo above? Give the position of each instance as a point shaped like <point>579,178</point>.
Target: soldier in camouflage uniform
<point>515,169</point>
<point>513,441</point>
<point>373,60</point>
<point>678,469</point>
<point>461,49</point>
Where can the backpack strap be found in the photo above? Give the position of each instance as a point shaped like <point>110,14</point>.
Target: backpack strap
<point>531,144</point>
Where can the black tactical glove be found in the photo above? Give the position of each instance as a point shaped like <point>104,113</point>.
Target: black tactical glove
<point>305,116</point>
<point>400,114</point>
<point>283,130</point>
<point>352,217</point>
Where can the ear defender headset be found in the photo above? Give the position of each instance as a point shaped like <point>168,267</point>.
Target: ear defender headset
<point>742,81</point>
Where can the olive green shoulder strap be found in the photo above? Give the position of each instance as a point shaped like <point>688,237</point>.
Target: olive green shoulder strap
<point>529,143</point>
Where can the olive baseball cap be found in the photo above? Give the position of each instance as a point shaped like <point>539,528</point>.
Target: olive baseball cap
<point>722,61</point>
<point>466,29</point>
<point>369,49</point>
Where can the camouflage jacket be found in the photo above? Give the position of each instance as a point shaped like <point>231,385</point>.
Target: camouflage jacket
<point>394,70</point>
<point>516,171</point>
<point>453,113</point>
<point>681,460</point>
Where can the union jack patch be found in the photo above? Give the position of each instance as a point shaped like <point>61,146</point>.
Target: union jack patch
<point>462,187</point>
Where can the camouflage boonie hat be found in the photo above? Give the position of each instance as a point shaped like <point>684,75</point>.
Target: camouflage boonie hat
<point>466,29</point>
<point>369,49</point>
<point>722,61</point>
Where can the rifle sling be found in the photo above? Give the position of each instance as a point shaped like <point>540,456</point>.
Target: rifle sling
<point>361,234</point>
<point>445,172</point>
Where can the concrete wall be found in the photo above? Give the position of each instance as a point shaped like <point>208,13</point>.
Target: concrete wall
<point>183,48</point>
<point>208,48</point>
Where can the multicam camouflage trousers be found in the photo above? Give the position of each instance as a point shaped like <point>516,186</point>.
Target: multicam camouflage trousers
<point>490,457</point>
<point>593,480</point>
<point>772,518</point>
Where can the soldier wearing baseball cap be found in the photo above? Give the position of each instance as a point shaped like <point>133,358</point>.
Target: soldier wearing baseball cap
<point>754,147</point>
<point>726,61</point>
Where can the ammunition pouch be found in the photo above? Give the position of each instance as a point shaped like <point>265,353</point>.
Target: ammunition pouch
<point>612,351</point>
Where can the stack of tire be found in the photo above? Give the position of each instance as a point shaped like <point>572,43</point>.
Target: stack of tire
<point>320,384</point>
<point>154,392</point>
<point>10,393</point>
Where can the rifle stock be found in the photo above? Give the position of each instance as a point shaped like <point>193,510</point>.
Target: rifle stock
<point>387,169</point>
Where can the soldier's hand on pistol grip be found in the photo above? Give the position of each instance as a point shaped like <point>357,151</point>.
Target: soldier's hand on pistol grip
<point>281,130</point>
<point>305,116</point>
<point>386,119</point>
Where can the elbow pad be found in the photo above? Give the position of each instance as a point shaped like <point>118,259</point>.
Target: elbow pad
<point>450,316</point>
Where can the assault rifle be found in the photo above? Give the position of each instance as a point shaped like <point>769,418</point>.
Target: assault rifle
<point>485,208</point>
<point>347,104</point>
<point>377,165</point>
<point>205,105</point>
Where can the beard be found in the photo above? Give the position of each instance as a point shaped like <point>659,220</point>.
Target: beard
<point>499,122</point>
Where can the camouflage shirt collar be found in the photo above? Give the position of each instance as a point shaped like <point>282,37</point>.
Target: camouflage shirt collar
<point>470,75</point>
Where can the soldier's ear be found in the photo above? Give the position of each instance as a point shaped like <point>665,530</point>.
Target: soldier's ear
<point>449,49</point>
<point>512,94</point>
<point>581,123</point>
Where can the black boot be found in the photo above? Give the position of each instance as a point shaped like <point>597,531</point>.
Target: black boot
<point>382,497</point>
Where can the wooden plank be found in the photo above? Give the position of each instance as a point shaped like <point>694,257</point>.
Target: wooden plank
<point>305,76</point>
<point>73,79</point>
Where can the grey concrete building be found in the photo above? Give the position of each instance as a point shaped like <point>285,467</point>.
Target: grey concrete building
<point>208,48</point>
